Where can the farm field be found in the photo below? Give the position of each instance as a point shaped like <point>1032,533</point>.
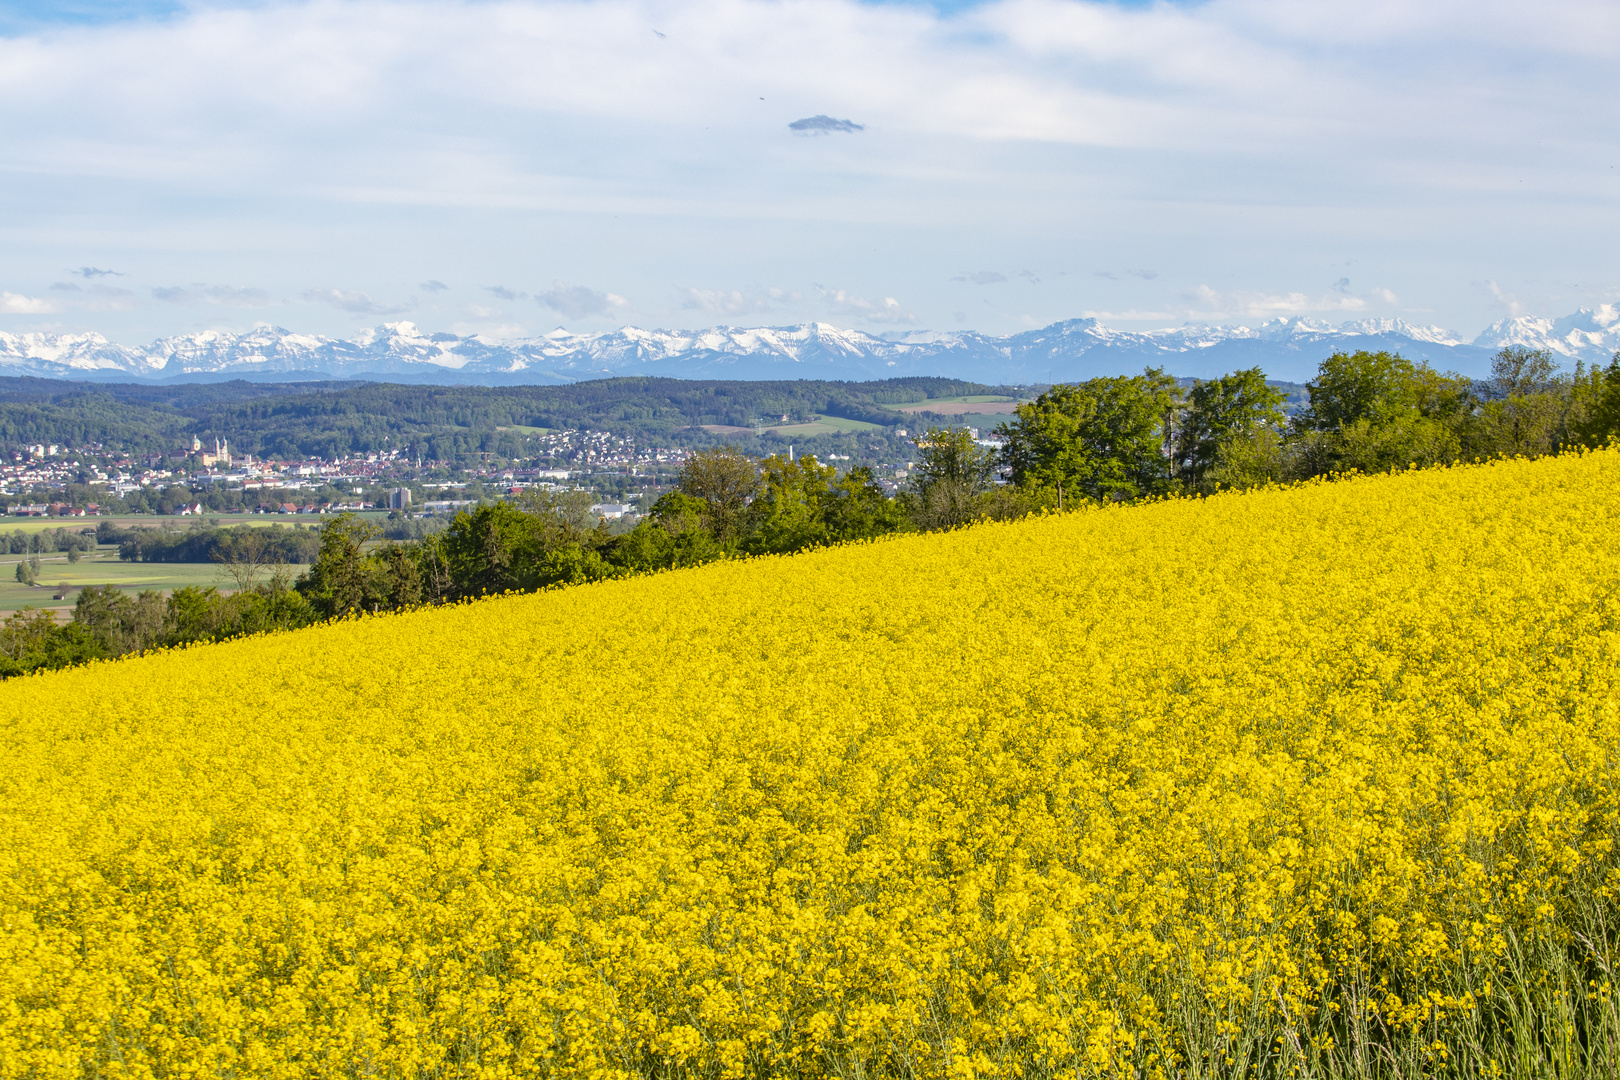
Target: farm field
<point>101,568</point>
<point>823,425</point>
<point>154,521</point>
<point>840,423</point>
<point>977,406</point>
<point>1311,782</point>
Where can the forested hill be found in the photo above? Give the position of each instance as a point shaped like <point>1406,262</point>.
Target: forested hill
<point>327,418</point>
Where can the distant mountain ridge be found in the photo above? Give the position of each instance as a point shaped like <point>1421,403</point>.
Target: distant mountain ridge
<point>1286,348</point>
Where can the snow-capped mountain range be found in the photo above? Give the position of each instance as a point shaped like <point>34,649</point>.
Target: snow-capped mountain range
<point>1074,349</point>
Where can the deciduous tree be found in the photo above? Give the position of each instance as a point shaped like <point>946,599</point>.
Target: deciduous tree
<point>1101,439</point>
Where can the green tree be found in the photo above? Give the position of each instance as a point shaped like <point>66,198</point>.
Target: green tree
<point>342,581</point>
<point>1225,416</point>
<point>1372,412</point>
<point>493,549</point>
<point>1261,457</point>
<point>859,510</point>
<point>804,504</point>
<point>564,518</point>
<point>948,478</point>
<point>403,576</point>
<point>1101,439</point>
<point>31,640</point>
<point>725,479</point>
<point>1597,392</point>
<point>119,622</point>
<point>672,535</point>
<point>1525,408</point>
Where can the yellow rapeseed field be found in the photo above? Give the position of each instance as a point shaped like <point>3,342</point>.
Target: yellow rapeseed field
<point>1310,782</point>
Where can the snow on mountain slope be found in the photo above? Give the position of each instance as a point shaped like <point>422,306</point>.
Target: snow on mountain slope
<point>1285,348</point>
<point>1590,335</point>
<point>64,355</point>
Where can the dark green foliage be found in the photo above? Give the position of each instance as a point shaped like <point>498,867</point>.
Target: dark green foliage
<point>1596,417</point>
<point>342,581</point>
<point>724,479</point>
<point>1100,439</point>
<point>444,423</point>
<point>1219,413</point>
<point>1372,412</point>
<point>670,537</point>
<point>949,479</point>
<point>205,614</point>
<point>108,623</point>
<point>804,504</point>
<point>46,541</point>
<point>31,640</point>
<point>201,544</point>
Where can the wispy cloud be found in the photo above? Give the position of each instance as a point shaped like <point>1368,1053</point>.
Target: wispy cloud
<point>1502,298</point>
<point>95,272</point>
<point>433,286</point>
<point>97,297</point>
<point>885,312</point>
<point>981,277</point>
<point>233,296</point>
<point>352,301</point>
<point>725,302</point>
<point>1209,303</point>
<point>502,292</point>
<point>578,301</point>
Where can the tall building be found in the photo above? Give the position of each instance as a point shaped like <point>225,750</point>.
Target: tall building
<point>399,499</point>
<point>220,456</point>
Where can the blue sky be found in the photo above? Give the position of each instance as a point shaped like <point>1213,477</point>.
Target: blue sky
<point>507,166</point>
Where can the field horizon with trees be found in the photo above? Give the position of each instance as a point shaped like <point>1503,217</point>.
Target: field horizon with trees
<point>1112,440</point>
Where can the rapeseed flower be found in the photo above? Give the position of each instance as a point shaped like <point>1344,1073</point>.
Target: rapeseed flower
<point>1315,781</point>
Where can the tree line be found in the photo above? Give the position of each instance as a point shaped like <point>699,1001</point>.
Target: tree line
<point>433,422</point>
<point>1114,439</point>
<point>201,543</point>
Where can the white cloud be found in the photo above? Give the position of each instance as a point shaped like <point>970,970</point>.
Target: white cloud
<point>1207,303</point>
<point>352,301</point>
<point>16,304</point>
<point>885,312</point>
<point>723,302</point>
<point>329,140</point>
<point>578,301</point>
<point>1132,315</point>
<point>495,332</point>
